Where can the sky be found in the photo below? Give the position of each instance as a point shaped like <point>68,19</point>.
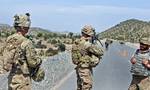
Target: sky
<point>72,15</point>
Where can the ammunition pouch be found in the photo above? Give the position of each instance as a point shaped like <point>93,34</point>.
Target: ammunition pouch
<point>84,61</point>
<point>94,61</point>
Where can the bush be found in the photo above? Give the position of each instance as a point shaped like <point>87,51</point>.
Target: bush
<point>61,47</point>
<point>46,36</point>
<point>53,41</point>
<point>49,41</point>
<point>39,35</point>
<point>12,32</point>
<point>51,52</point>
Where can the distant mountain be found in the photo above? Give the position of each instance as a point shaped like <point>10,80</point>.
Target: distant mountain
<point>129,30</point>
<point>5,27</point>
<point>36,30</point>
<point>33,30</point>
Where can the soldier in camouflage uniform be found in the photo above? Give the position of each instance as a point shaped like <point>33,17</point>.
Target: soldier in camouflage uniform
<point>141,67</point>
<point>19,54</point>
<point>85,55</point>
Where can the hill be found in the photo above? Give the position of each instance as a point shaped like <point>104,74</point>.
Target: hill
<point>5,27</point>
<point>129,30</point>
<point>33,30</point>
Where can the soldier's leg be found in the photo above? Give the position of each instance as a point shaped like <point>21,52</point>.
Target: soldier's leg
<point>133,87</point>
<point>79,84</point>
<point>86,78</point>
<point>144,84</point>
<point>135,82</point>
<point>19,82</point>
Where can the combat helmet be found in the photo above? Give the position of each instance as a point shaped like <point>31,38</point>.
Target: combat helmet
<point>38,75</point>
<point>145,40</point>
<point>22,20</point>
<point>88,30</point>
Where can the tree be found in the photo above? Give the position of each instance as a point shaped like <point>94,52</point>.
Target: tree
<point>70,34</point>
<point>46,36</point>
<point>39,34</point>
<point>12,32</point>
<point>61,47</point>
<point>53,41</point>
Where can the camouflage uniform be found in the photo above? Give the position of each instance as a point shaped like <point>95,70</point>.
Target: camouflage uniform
<point>140,73</point>
<point>24,56</point>
<point>86,56</point>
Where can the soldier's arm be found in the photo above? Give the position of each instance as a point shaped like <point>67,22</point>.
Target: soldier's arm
<point>97,51</point>
<point>133,59</point>
<point>32,59</point>
<point>146,63</point>
<point>2,48</point>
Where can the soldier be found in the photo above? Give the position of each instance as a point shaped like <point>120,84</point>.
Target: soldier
<point>85,55</point>
<point>19,55</point>
<point>141,67</point>
<point>107,42</point>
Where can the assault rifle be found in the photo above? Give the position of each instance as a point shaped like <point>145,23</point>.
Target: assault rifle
<point>95,37</point>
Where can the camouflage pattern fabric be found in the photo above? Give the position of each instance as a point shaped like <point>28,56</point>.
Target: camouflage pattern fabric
<point>84,79</point>
<point>140,83</point>
<point>86,56</point>
<point>9,51</point>
<point>24,56</point>
<point>1,50</point>
<point>22,20</point>
<point>76,54</point>
<point>95,50</point>
<point>85,53</point>
<point>88,30</point>
<point>145,40</point>
<point>2,71</point>
<point>1,60</point>
<point>19,81</point>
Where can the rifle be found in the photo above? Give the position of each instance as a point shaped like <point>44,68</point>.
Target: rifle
<point>95,37</point>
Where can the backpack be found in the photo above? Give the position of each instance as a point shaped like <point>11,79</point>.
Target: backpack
<point>14,56</point>
<point>76,54</point>
<point>79,54</point>
<point>9,52</point>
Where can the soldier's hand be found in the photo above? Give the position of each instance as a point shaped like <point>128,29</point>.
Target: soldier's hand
<point>145,62</point>
<point>133,60</point>
<point>148,66</point>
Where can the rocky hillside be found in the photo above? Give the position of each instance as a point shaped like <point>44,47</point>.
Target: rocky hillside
<point>129,30</point>
<point>46,42</point>
<point>5,27</point>
<point>7,30</point>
